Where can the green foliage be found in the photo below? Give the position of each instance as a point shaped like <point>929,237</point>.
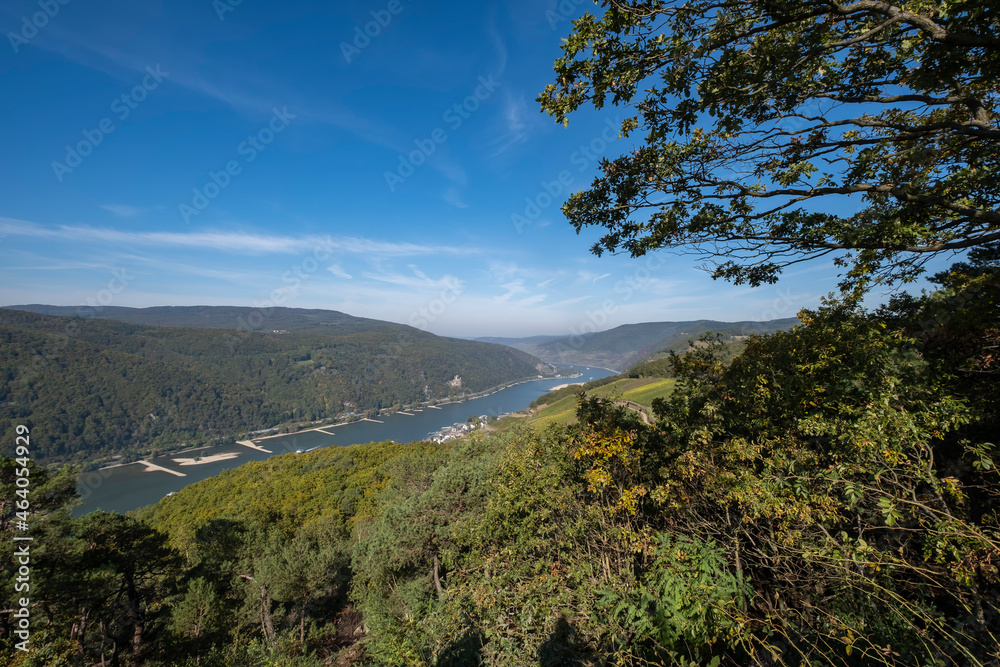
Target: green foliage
<point>526,579</point>
<point>688,596</point>
<point>49,496</point>
<point>47,649</point>
<point>98,584</point>
<point>843,447</point>
<point>404,560</point>
<point>661,367</point>
<point>286,493</point>
<point>829,496</point>
<point>197,614</point>
<point>763,120</point>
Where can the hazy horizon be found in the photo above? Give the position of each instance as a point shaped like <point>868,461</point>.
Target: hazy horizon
<point>371,160</point>
<point>582,330</point>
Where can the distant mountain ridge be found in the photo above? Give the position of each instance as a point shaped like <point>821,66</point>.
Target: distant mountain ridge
<point>629,344</point>
<point>240,318</point>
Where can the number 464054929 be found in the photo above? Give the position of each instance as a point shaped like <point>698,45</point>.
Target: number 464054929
<point>22,442</point>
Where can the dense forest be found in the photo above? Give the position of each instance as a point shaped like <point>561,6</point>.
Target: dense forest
<point>97,387</point>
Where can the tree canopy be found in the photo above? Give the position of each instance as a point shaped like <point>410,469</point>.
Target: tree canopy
<point>778,131</point>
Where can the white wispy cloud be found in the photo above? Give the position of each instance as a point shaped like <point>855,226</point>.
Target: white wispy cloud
<point>149,265</point>
<point>224,241</point>
<point>235,242</point>
<point>500,271</point>
<point>498,42</point>
<point>418,279</point>
<point>40,265</point>
<point>238,88</point>
<point>515,128</point>
<point>513,289</point>
<point>453,197</point>
<point>124,210</point>
<point>338,271</point>
<point>363,246</point>
<point>589,276</point>
<point>15,227</point>
<point>514,112</point>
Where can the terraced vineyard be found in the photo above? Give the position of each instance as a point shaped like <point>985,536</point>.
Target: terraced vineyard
<point>559,407</point>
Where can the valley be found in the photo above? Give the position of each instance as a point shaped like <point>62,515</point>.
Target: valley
<point>103,388</point>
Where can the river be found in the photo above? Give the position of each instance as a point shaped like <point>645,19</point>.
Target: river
<point>128,487</point>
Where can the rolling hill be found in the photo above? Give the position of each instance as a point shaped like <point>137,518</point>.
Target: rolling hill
<point>628,344</point>
<point>238,318</point>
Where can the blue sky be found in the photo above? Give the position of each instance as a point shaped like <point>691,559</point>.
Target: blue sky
<point>262,153</point>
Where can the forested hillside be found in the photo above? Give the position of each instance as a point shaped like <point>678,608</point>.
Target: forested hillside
<point>628,344</point>
<point>236,318</point>
<point>96,387</point>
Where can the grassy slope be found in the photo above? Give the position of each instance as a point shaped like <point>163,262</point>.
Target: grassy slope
<point>560,407</point>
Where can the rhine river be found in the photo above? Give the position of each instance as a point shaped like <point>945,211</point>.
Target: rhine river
<point>128,487</point>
